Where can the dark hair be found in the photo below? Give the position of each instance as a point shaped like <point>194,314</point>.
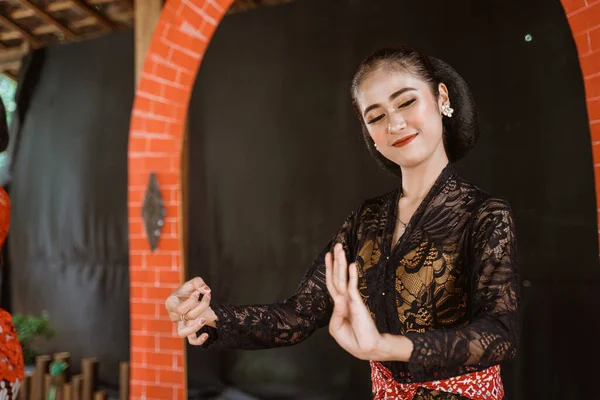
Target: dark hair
<point>460,132</point>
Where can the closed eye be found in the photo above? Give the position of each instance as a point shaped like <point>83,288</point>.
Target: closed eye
<point>406,104</point>
<point>378,118</point>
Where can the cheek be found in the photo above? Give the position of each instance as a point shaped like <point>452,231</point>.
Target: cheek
<point>377,133</point>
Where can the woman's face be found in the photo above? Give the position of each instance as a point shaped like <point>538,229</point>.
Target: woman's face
<point>402,116</point>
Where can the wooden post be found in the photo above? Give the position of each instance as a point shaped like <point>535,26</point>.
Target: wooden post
<point>76,387</point>
<point>47,385</point>
<point>66,358</point>
<point>100,396</point>
<point>147,14</point>
<point>124,381</point>
<point>37,381</point>
<point>25,390</point>
<point>67,392</point>
<point>89,368</point>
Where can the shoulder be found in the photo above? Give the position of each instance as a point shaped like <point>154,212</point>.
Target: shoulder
<point>482,201</point>
<point>376,205</point>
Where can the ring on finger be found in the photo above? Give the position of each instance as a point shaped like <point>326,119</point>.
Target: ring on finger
<point>182,318</point>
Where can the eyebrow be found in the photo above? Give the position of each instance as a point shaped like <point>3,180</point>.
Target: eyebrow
<point>392,97</point>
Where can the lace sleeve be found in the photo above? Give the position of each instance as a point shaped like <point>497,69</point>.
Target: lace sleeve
<point>280,324</point>
<point>492,335</point>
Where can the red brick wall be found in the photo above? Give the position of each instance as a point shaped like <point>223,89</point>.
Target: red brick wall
<point>161,102</point>
<point>159,112</point>
<point>584,18</point>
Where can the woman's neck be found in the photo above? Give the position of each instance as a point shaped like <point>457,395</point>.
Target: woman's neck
<point>418,180</point>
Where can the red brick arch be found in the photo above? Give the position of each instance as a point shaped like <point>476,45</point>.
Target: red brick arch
<point>157,124</point>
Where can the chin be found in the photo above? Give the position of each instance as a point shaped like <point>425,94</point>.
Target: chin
<point>411,161</point>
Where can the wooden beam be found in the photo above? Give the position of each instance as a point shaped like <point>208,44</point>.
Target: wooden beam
<point>53,7</point>
<point>49,19</point>
<point>32,40</point>
<point>126,18</point>
<point>146,16</point>
<point>102,20</point>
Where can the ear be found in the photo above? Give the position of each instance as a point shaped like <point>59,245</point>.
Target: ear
<point>444,96</point>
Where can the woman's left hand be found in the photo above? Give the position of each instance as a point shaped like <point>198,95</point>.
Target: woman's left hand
<point>351,324</point>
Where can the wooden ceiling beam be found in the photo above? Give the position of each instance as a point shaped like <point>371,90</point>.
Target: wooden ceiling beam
<point>28,37</point>
<point>56,6</point>
<point>125,18</point>
<point>43,15</point>
<point>102,20</point>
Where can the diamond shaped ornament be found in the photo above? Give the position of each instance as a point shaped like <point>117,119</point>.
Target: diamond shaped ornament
<point>153,211</point>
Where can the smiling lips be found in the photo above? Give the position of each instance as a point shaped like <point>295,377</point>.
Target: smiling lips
<point>404,141</point>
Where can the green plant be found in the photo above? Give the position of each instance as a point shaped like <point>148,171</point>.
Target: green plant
<point>30,329</point>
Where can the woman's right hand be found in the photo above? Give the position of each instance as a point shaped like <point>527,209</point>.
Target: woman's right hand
<point>189,312</point>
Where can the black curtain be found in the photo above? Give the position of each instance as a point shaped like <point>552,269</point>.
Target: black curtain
<point>68,243</point>
<point>277,162</point>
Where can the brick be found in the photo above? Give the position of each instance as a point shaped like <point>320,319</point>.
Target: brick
<point>184,60</point>
<point>593,107</point>
<point>592,86</point>
<point>136,275</point>
<point>594,35</point>
<point>141,374</point>
<point>137,179</point>
<point>159,260</point>
<point>155,126</point>
<point>142,308</point>
<point>173,377</point>
<point>161,293</point>
<point>138,358</point>
<point>585,20</point>
<point>136,293</point>
<point>170,277</point>
<point>137,145</point>
<point>175,129</point>
<point>590,64</point>
<point>176,95</point>
<point>143,104</point>
<point>137,124</point>
<point>166,145</point>
<point>160,359</point>
<point>573,5</point>
<point>137,164</point>
<point>166,72</point>
<point>143,341</point>
<point>137,391</point>
<point>595,131</point>
<point>160,392</point>
<point>596,154</point>
<point>186,78</point>
<point>169,243</point>
<point>170,343</point>
<point>582,42</point>
<point>168,178</point>
<point>158,163</point>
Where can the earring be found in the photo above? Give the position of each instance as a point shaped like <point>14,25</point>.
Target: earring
<point>447,110</point>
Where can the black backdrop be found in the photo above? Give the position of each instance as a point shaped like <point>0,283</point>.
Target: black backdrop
<point>276,163</point>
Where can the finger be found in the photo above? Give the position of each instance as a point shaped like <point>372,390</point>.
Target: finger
<point>192,285</point>
<point>187,328</point>
<point>353,283</point>
<point>329,275</point>
<point>340,269</point>
<point>197,340</point>
<point>176,307</point>
<point>200,308</point>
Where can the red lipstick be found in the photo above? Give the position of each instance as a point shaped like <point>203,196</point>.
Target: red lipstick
<point>404,141</point>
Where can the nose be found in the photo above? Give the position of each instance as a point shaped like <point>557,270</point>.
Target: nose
<point>396,124</point>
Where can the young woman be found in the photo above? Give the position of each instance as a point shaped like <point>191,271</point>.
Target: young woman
<point>431,293</point>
